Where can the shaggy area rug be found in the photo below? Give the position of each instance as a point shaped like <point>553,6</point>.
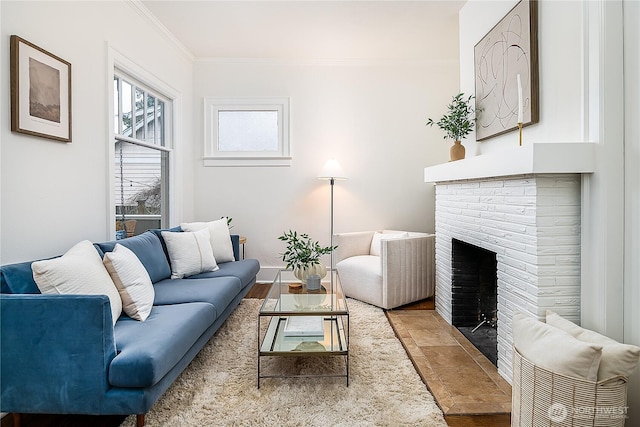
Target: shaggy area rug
<point>219,388</point>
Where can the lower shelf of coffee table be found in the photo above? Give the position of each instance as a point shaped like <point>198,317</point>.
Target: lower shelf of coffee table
<point>334,342</point>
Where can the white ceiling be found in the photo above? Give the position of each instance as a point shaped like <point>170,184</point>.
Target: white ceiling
<point>298,29</point>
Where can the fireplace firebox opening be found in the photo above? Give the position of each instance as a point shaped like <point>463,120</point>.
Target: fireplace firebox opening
<point>474,290</point>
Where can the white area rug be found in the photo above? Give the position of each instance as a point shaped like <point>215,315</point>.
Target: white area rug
<point>219,388</point>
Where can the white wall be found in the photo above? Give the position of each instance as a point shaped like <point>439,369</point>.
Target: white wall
<point>368,114</point>
<point>582,94</point>
<point>560,70</point>
<point>56,194</point>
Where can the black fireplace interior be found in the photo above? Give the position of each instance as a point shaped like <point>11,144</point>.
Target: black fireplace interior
<point>475,296</point>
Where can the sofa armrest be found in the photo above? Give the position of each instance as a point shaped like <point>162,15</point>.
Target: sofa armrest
<point>408,265</point>
<point>352,244</point>
<point>55,352</point>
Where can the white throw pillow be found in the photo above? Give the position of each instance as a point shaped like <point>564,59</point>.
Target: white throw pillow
<point>617,358</point>
<point>132,280</point>
<point>554,349</point>
<point>219,236</point>
<point>189,253</point>
<point>78,272</point>
<point>376,242</point>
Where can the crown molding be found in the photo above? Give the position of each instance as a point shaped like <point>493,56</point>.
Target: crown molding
<point>345,62</point>
<point>139,7</point>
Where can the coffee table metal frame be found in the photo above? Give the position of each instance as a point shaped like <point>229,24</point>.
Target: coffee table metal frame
<point>283,302</point>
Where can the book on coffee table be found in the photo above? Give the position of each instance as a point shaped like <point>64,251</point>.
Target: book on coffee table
<point>304,326</point>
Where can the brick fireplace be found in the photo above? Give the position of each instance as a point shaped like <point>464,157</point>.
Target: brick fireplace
<point>530,220</point>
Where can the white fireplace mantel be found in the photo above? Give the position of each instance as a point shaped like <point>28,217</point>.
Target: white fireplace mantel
<point>538,158</point>
<point>524,204</point>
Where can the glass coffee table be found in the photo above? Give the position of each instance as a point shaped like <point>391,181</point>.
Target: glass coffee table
<point>304,323</point>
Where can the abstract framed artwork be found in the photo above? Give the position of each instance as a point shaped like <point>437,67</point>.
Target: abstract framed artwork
<point>509,49</point>
<point>40,92</point>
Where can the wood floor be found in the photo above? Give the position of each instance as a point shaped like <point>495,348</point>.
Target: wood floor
<point>258,291</point>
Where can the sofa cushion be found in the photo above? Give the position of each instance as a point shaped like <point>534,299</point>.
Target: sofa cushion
<point>218,292</point>
<point>219,236</point>
<point>617,358</point>
<point>148,350</point>
<point>158,232</point>
<point>132,280</point>
<point>148,249</point>
<point>235,240</point>
<point>245,270</point>
<point>190,253</point>
<point>18,279</point>
<point>78,272</point>
<point>555,350</point>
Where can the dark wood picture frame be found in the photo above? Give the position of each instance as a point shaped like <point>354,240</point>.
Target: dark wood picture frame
<point>508,49</point>
<point>40,92</point>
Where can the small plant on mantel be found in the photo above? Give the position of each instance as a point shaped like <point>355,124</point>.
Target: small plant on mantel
<point>303,254</point>
<point>457,123</point>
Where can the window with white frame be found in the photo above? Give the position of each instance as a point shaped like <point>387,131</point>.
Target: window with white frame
<point>142,149</point>
<point>246,132</point>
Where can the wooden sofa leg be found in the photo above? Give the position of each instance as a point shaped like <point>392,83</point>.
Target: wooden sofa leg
<point>140,420</point>
<point>17,419</point>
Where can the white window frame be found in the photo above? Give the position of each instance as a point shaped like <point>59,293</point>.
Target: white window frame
<point>118,61</point>
<point>214,157</point>
<point>161,145</point>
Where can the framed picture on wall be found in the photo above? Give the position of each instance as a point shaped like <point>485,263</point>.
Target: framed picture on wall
<point>509,50</point>
<point>40,92</point>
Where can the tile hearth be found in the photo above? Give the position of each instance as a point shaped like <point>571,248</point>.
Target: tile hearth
<point>462,380</point>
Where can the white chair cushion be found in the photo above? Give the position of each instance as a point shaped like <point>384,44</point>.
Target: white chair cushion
<point>189,253</point>
<point>376,242</point>
<point>132,280</point>
<point>617,358</point>
<point>554,349</point>
<point>219,235</point>
<point>80,272</point>
<point>361,278</point>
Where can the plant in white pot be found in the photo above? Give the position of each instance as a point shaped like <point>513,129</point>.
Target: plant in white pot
<point>303,255</point>
<point>457,123</point>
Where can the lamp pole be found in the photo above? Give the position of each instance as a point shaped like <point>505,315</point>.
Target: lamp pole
<point>332,171</point>
<point>331,182</point>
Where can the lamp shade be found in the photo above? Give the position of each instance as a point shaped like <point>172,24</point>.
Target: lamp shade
<point>332,170</point>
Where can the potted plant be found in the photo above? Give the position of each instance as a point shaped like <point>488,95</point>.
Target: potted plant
<point>457,123</point>
<point>303,255</point>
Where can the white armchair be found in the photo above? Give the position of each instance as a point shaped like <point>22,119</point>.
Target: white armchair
<point>388,268</point>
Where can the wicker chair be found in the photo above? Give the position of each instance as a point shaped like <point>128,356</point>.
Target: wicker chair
<point>544,398</point>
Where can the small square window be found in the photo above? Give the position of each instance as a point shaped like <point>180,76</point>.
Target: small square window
<point>247,132</point>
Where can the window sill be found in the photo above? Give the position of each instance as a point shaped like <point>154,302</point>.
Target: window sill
<point>246,161</point>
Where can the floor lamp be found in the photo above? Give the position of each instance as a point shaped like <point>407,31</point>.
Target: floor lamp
<point>332,171</point>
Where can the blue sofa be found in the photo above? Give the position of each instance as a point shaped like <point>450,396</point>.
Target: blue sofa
<point>62,354</point>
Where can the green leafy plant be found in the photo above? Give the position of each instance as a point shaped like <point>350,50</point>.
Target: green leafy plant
<point>229,219</point>
<point>459,120</point>
<point>302,251</point>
